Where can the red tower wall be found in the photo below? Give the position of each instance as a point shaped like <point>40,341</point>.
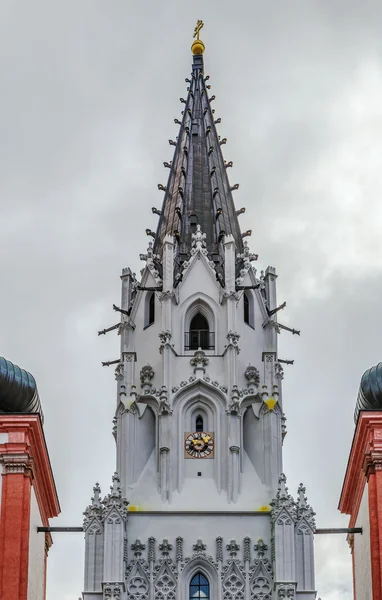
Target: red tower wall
<point>361,498</point>
<point>27,488</point>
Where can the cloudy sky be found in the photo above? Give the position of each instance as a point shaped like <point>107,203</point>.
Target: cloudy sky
<point>89,90</point>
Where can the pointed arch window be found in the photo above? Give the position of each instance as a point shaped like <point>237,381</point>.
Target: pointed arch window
<point>199,423</point>
<point>149,309</point>
<point>199,588</point>
<point>199,335</point>
<point>248,308</point>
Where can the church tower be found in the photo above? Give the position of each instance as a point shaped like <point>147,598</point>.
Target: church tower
<point>199,506</point>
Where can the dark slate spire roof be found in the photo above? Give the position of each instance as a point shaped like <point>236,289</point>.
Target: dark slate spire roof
<point>370,391</point>
<point>198,190</point>
<point>18,390</point>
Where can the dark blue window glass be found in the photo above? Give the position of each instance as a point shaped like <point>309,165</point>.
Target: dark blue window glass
<point>199,588</point>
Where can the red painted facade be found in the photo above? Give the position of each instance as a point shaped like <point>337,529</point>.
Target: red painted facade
<point>365,469</point>
<point>25,464</point>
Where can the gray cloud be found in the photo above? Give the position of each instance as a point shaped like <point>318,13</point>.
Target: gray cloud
<point>89,93</point>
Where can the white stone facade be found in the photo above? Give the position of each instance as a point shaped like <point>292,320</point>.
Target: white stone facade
<point>208,515</point>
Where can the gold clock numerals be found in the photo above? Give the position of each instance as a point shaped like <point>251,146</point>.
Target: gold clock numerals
<point>199,444</point>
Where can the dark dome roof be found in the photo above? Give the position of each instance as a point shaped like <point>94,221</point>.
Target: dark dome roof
<point>370,391</point>
<point>18,390</point>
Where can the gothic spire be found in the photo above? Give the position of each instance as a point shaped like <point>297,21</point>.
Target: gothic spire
<point>198,191</point>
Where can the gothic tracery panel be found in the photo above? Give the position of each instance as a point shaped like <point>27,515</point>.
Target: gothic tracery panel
<point>233,584</point>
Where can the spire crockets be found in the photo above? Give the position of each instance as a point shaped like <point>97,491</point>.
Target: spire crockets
<point>198,191</point>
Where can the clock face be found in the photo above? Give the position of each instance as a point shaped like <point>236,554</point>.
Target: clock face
<point>199,444</point>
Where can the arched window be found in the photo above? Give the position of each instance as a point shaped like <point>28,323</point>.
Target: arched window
<point>199,336</point>
<point>199,587</point>
<point>199,423</point>
<point>248,307</point>
<point>149,309</point>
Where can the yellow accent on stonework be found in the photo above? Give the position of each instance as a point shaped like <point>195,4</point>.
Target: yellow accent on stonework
<point>133,508</point>
<point>264,508</point>
<point>271,403</point>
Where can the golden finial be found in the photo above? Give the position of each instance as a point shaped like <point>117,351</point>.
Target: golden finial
<point>198,46</point>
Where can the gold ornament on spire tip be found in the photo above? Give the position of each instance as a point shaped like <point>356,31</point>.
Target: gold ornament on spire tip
<point>198,46</point>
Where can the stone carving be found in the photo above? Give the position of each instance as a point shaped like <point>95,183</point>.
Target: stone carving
<point>261,574</point>
<point>233,548</point>
<point>233,583</point>
<point>147,374</point>
<point>138,548</point>
<point>261,589</point>
<point>165,547</point>
<point>165,584</point>
<point>151,549</point>
<point>247,549</point>
<point>285,591</point>
<point>199,360</point>
<point>233,338</point>
<point>114,499</point>
<point>198,241</point>
<point>138,582</point>
<point>234,405</point>
<point>95,509</point>
<point>283,426</point>
<point>150,259</point>
<point>114,430</point>
<point>252,375</point>
<point>179,548</point>
<point>279,371</point>
<point>119,372</point>
<point>283,501</point>
<point>219,548</point>
<point>165,337</point>
<point>199,547</point>
<point>164,407</point>
<point>245,259</point>
<point>260,548</point>
<point>304,510</point>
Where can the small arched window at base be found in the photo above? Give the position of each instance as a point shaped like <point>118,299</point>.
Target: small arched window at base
<point>199,588</point>
<point>149,309</point>
<point>249,309</point>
